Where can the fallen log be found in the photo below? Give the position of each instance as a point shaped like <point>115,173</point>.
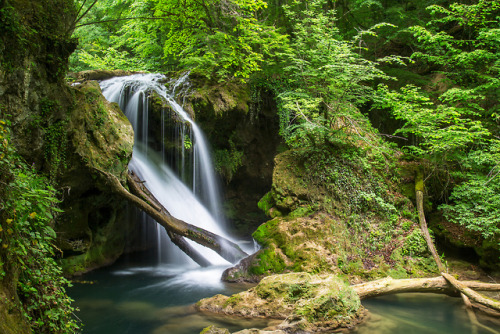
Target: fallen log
<point>471,294</point>
<point>471,298</point>
<point>388,285</point>
<point>188,250</point>
<point>138,188</point>
<point>224,247</point>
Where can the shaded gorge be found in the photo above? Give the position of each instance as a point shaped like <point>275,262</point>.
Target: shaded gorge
<point>153,291</point>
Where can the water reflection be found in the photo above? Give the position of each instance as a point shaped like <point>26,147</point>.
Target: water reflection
<point>419,313</point>
<point>159,299</point>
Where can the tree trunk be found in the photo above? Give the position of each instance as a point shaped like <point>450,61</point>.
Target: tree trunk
<point>419,190</point>
<point>137,187</point>
<point>387,286</point>
<point>188,250</point>
<point>481,302</point>
<point>471,294</point>
<point>225,248</point>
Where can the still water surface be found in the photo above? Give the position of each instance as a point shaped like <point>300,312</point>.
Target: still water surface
<point>130,298</point>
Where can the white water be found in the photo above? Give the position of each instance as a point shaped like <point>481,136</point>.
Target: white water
<point>131,93</point>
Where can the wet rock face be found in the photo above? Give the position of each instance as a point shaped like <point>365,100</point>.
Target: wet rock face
<point>70,133</point>
<point>244,135</point>
<point>309,303</point>
<point>93,230</point>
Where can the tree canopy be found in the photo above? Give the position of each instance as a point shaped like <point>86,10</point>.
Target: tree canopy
<point>431,66</point>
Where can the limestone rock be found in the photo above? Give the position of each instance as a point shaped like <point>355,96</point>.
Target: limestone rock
<point>100,134</point>
<point>214,330</point>
<point>259,331</point>
<point>93,230</point>
<point>311,303</point>
<point>334,215</point>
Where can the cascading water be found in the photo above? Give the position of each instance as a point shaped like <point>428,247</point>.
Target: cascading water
<point>158,299</point>
<point>132,94</point>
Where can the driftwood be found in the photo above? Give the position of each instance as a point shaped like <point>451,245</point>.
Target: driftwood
<point>224,247</point>
<point>188,250</point>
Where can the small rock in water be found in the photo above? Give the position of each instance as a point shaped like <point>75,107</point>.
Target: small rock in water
<point>258,331</point>
<point>306,303</point>
<point>214,330</point>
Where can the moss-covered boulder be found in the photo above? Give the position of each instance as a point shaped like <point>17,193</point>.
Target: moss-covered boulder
<point>214,330</point>
<point>336,210</point>
<point>100,135</point>
<point>309,303</point>
<point>94,228</point>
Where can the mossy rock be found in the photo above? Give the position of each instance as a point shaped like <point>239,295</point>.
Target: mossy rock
<point>335,209</point>
<point>92,230</point>
<point>311,303</point>
<point>363,248</point>
<point>101,135</point>
<point>11,319</point>
<point>214,330</point>
<point>220,97</point>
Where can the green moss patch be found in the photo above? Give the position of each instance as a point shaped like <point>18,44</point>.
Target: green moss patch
<point>309,302</point>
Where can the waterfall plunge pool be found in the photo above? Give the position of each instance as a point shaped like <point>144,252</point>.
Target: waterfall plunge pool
<point>134,296</point>
<point>137,297</point>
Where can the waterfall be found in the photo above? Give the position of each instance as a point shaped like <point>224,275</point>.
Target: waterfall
<point>183,181</point>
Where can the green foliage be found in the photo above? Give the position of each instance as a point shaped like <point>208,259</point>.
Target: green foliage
<point>55,139</point>
<point>227,162</point>
<point>415,244</point>
<point>217,39</point>
<point>187,142</point>
<point>325,78</point>
<point>28,206</point>
<point>108,40</point>
<point>475,203</point>
<point>453,124</point>
<point>444,127</point>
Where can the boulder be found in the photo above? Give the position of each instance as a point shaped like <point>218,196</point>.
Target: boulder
<point>307,303</point>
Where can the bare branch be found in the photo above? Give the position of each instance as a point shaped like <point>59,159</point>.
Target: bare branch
<point>85,13</point>
<point>121,19</point>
